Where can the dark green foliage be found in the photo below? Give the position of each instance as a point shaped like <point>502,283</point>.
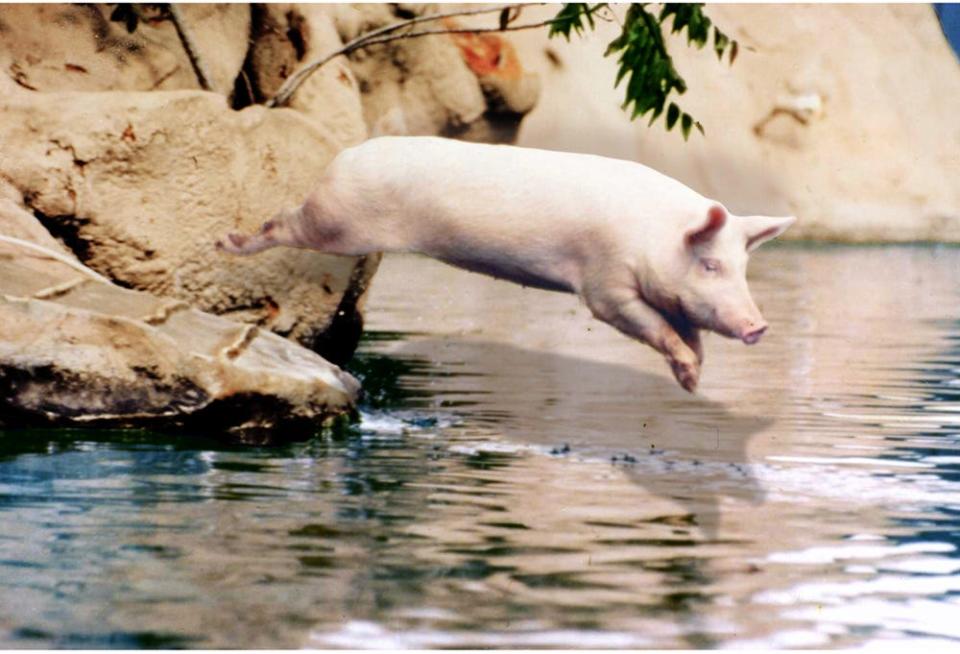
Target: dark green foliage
<point>644,61</point>
<point>571,16</point>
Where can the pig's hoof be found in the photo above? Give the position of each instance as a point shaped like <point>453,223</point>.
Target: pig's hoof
<point>687,375</point>
<point>233,243</point>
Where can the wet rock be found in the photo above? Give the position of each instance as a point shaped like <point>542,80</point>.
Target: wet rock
<point>77,350</point>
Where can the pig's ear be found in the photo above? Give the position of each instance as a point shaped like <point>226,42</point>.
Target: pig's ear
<point>760,229</point>
<point>716,219</point>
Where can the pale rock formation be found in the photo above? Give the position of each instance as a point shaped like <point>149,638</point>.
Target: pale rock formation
<point>844,115</point>
<point>59,47</point>
<point>77,350</point>
<point>466,86</point>
<point>140,185</point>
<point>125,163</point>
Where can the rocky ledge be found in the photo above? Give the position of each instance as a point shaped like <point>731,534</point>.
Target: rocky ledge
<point>77,350</point>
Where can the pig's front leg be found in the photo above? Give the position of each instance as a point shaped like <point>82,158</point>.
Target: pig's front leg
<point>690,335</point>
<point>622,308</point>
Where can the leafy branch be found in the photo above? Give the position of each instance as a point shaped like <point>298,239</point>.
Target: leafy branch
<point>644,60</point>
<point>652,81</point>
<point>388,33</point>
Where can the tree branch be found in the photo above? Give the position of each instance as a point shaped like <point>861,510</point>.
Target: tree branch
<point>203,77</point>
<point>383,35</point>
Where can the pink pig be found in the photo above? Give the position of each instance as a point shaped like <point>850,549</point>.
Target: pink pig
<point>646,254</point>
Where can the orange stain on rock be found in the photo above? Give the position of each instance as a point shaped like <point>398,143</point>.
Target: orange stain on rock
<point>487,54</point>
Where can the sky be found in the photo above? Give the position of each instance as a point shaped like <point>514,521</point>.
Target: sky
<point>950,20</point>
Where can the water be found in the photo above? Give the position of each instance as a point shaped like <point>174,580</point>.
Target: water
<point>526,477</point>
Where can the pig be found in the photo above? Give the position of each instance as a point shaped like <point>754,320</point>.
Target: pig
<point>645,253</point>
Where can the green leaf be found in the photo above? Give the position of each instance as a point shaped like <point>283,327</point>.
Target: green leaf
<point>614,45</point>
<point>686,123</point>
<point>643,60</point>
<point>673,112</point>
<point>568,18</point>
<point>656,113</point>
<point>624,69</point>
<point>680,13</point>
<point>720,42</point>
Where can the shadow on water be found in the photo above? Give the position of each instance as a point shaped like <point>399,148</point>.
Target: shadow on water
<point>683,447</point>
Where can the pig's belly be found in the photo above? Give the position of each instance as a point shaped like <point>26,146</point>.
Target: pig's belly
<point>532,276</point>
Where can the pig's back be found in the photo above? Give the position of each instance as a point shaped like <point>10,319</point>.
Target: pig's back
<point>448,179</point>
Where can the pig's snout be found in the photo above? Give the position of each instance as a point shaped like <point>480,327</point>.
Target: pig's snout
<point>753,333</point>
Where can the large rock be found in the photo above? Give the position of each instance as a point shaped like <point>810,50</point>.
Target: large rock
<point>77,350</point>
<point>140,185</point>
<point>465,86</point>
<point>126,165</point>
<point>57,47</point>
<point>286,36</point>
<point>845,115</point>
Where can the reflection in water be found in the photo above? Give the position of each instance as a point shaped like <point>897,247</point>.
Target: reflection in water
<point>652,430</point>
<point>523,476</point>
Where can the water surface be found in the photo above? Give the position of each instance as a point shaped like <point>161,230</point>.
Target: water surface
<point>524,476</point>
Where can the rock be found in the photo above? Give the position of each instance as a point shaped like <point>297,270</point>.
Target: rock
<point>286,37</point>
<point>465,86</point>
<point>819,116</point>
<point>140,185</point>
<point>57,47</point>
<point>125,165</point>
<point>78,351</point>
<point>510,92</point>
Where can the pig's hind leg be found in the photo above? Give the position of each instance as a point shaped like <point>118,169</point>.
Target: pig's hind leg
<point>622,308</point>
<point>279,230</point>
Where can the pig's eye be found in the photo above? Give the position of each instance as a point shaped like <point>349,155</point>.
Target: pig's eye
<point>711,265</point>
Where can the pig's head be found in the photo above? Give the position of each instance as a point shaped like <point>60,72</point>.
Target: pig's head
<point>711,276</point>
